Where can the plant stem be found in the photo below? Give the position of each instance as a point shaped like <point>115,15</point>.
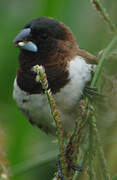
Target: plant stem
<point>41,78</point>
<point>102,159</point>
<point>93,83</point>
<point>112,26</point>
<point>105,15</point>
<point>99,67</point>
<point>91,141</point>
<point>103,162</point>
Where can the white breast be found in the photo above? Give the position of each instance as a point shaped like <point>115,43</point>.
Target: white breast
<point>36,107</point>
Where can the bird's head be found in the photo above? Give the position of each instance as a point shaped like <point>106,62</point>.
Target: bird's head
<point>44,40</point>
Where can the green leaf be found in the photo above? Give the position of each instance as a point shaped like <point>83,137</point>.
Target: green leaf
<point>37,161</point>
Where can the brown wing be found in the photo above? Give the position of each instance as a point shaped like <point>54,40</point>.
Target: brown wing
<point>90,59</point>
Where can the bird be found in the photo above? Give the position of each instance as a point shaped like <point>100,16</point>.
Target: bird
<point>50,43</point>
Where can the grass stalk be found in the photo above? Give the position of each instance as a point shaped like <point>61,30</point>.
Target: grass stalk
<point>41,77</point>
<point>91,141</point>
<point>93,128</point>
<point>113,28</point>
<point>103,162</point>
<point>104,14</point>
<point>101,62</point>
<point>4,170</point>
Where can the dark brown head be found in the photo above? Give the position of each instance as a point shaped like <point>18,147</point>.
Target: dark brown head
<point>48,42</point>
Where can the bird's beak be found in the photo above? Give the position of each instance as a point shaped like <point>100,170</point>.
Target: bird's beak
<point>22,41</point>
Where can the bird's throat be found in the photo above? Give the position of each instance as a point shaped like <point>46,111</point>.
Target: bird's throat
<point>57,78</point>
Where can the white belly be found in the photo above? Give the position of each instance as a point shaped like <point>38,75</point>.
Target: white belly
<point>36,107</point>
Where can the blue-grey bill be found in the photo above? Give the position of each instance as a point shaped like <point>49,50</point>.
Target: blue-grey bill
<point>29,46</point>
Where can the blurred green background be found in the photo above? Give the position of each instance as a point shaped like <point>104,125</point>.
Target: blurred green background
<point>24,142</point>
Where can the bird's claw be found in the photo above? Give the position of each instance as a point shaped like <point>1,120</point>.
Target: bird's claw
<point>60,174</point>
<point>92,92</point>
<point>73,167</point>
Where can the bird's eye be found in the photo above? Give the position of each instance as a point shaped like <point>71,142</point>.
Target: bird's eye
<point>44,36</point>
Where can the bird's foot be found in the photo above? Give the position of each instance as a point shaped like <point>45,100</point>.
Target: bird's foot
<point>92,92</point>
<point>60,174</point>
<point>73,167</point>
